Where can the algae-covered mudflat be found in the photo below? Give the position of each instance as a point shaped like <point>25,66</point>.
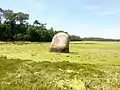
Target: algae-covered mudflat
<point>88,66</point>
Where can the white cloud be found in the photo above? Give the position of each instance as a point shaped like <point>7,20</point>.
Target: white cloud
<point>106,7</point>
<point>37,5</point>
<point>92,7</point>
<point>109,12</point>
<point>90,30</point>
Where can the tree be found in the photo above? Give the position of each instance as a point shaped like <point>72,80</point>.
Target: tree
<point>36,23</point>
<point>1,14</point>
<point>9,15</point>
<point>75,38</point>
<point>21,17</point>
<point>15,27</point>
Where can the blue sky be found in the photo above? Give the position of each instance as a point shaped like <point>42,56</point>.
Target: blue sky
<point>86,18</point>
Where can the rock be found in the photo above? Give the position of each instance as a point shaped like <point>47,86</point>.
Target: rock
<point>60,43</point>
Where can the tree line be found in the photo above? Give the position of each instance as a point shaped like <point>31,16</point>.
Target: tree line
<point>14,27</point>
<point>98,39</point>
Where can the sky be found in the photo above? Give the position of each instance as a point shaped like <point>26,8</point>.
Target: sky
<point>85,18</point>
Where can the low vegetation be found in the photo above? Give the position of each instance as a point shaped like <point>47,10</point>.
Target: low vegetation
<point>88,66</point>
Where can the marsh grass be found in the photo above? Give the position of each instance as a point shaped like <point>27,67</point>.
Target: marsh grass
<point>87,67</point>
<point>16,74</point>
<point>83,52</point>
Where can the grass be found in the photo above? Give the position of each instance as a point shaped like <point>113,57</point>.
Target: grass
<point>80,52</point>
<point>89,66</point>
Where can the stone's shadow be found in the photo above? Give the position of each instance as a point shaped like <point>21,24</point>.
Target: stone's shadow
<point>84,43</point>
<point>75,53</point>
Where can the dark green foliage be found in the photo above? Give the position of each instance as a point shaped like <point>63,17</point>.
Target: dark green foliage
<point>16,28</point>
<point>75,38</point>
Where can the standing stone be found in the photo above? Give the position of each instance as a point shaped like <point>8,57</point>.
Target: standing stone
<point>60,43</point>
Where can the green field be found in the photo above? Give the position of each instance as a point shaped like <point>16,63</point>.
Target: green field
<point>88,66</point>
